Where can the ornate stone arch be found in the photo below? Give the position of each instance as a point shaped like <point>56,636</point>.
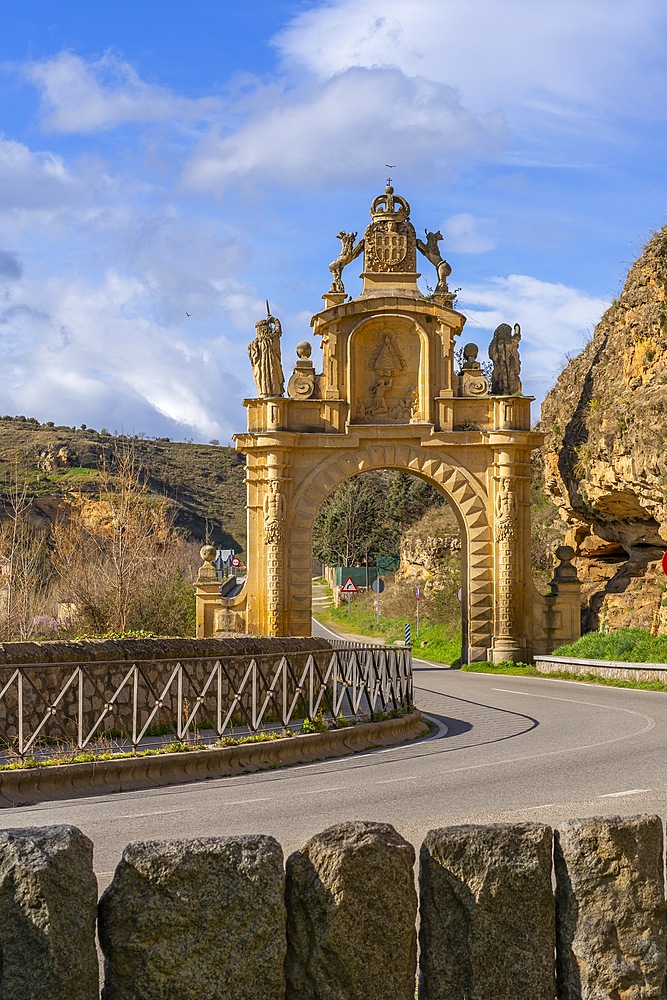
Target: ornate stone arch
<point>389,397</point>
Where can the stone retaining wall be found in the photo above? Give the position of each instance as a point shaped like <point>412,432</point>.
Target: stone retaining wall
<point>47,666</point>
<point>224,917</point>
<point>617,669</point>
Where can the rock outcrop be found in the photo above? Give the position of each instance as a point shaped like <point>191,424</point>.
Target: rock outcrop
<point>605,457</point>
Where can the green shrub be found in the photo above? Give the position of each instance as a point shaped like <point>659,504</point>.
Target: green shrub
<point>629,645</point>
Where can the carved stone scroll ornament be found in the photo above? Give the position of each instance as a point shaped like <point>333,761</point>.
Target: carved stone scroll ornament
<point>506,532</point>
<point>264,354</point>
<point>302,383</point>
<point>349,251</point>
<point>504,353</point>
<point>431,251</point>
<point>472,380</point>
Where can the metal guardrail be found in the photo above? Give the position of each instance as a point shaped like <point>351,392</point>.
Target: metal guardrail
<point>216,693</point>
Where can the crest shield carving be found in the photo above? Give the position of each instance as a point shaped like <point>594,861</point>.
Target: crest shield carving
<point>391,248</point>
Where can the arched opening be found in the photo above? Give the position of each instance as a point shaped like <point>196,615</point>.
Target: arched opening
<point>400,528</point>
<point>465,497</point>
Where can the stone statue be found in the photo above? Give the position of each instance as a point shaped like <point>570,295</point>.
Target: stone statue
<point>264,354</point>
<point>348,252</point>
<point>431,251</point>
<point>504,353</point>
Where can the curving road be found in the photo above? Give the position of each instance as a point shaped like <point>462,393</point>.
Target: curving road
<point>506,748</point>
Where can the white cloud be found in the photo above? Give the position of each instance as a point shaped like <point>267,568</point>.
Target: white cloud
<point>95,350</point>
<point>461,234</point>
<point>555,321</point>
<point>89,96</point>
<point>343,130</point>
<point>521,54</point>
<point>31,180</point>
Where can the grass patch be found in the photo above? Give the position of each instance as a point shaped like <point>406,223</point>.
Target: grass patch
<point>504,667</point>
<point>629,645</point>
<point>440,643</point>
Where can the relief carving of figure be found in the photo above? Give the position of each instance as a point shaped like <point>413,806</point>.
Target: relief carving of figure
<point>264,354</point>
<point>274,514</point>
<point>506,509</point>
<point>348,252</point>
<point>431,251</point>
<point>504,353</point>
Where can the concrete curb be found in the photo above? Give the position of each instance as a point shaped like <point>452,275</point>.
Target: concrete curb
<point>618,669</point>
<point>67,781</point>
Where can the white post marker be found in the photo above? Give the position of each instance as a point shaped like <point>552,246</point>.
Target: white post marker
<point>417,599</point>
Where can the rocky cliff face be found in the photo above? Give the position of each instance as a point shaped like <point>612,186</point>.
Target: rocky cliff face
<point>605,453</point>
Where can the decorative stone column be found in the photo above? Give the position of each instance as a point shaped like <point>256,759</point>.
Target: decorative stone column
<point>275,510</point>
<point>509,641</point>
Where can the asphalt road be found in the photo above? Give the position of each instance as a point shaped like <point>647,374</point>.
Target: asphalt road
<point>506,749</point>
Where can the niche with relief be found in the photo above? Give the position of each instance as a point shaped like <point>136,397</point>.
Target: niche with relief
<point>385,356</point>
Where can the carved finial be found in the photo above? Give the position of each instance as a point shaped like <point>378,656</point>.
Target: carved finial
<point>207,573</point>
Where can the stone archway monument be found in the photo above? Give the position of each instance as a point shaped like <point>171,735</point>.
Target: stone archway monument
<point>390,397</point>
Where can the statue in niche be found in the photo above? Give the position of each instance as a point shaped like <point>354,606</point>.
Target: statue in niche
<point>264,354</point>
<point>348,252</point>
<point>387,361</point>
<point>504,353</point>
<point>431,251</point>
<point>274,514</point>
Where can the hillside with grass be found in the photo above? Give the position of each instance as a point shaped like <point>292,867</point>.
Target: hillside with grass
<point>203,483</point>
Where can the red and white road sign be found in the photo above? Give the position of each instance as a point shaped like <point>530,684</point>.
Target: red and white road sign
<point>236,562</point>
<point>349,587</point>
<point>664,563</point>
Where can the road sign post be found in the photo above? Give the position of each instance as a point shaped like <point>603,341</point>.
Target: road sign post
<point>377,587</point>
<point>348,589</point>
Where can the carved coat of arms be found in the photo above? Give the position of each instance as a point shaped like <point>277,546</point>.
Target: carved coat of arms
<point>387,246</point>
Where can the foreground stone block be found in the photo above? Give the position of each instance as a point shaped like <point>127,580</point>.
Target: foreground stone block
<point>487,913</point>
<point>195,919</point>
<point>351,911</point>
<point>611,909</point>
<point>48,903</point>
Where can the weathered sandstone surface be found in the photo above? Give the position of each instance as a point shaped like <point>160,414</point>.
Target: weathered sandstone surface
<point>605,456</point>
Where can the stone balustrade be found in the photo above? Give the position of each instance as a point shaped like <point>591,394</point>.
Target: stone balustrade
<point>223,917</point>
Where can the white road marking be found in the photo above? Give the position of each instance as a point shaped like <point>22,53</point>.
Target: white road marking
<point>162,812</point>
<point>242,802</point>
<point>630,791</point>
<point>320,791</point>
<point>388,781</point>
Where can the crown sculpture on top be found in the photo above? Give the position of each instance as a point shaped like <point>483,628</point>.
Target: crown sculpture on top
<point>389,246</point>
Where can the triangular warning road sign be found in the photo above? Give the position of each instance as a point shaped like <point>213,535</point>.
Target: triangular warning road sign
<point>349,587</point>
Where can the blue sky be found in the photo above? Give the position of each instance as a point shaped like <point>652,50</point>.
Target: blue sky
<point>159,159</point>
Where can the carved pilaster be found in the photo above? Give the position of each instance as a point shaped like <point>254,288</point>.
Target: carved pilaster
<point>506,509</point>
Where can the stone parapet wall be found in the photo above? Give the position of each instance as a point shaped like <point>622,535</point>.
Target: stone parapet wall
<point>616,669</point>
<point>46,668</point>
<point>225,917</point>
